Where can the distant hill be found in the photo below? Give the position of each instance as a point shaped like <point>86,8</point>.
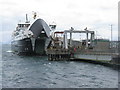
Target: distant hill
<point>5,42</point>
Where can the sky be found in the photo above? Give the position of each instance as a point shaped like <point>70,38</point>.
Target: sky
<point>96,15</point>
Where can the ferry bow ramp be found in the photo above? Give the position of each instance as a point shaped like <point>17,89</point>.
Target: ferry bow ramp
<point>39,27</point>
<point>41,33</point>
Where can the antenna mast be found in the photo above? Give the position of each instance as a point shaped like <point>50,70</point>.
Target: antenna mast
<point>27,19</point>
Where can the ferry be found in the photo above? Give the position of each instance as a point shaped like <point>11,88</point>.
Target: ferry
<point>31,37</point>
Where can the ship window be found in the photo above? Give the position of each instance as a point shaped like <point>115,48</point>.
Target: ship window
<point>19,25</point>
<point>26,25</point>
<point>22,25</point>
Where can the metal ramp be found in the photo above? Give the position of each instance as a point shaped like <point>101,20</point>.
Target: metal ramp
<point>41,35</point>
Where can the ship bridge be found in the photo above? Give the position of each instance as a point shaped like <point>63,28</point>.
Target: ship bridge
<point>41,36</point>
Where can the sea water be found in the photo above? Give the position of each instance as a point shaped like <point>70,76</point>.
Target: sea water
<point>38,72</point>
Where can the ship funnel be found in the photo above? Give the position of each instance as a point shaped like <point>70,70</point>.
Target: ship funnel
<point>52,26</point>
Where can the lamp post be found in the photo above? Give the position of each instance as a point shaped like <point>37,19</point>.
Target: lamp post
<point>111,32</point>
<point>111,35</point>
